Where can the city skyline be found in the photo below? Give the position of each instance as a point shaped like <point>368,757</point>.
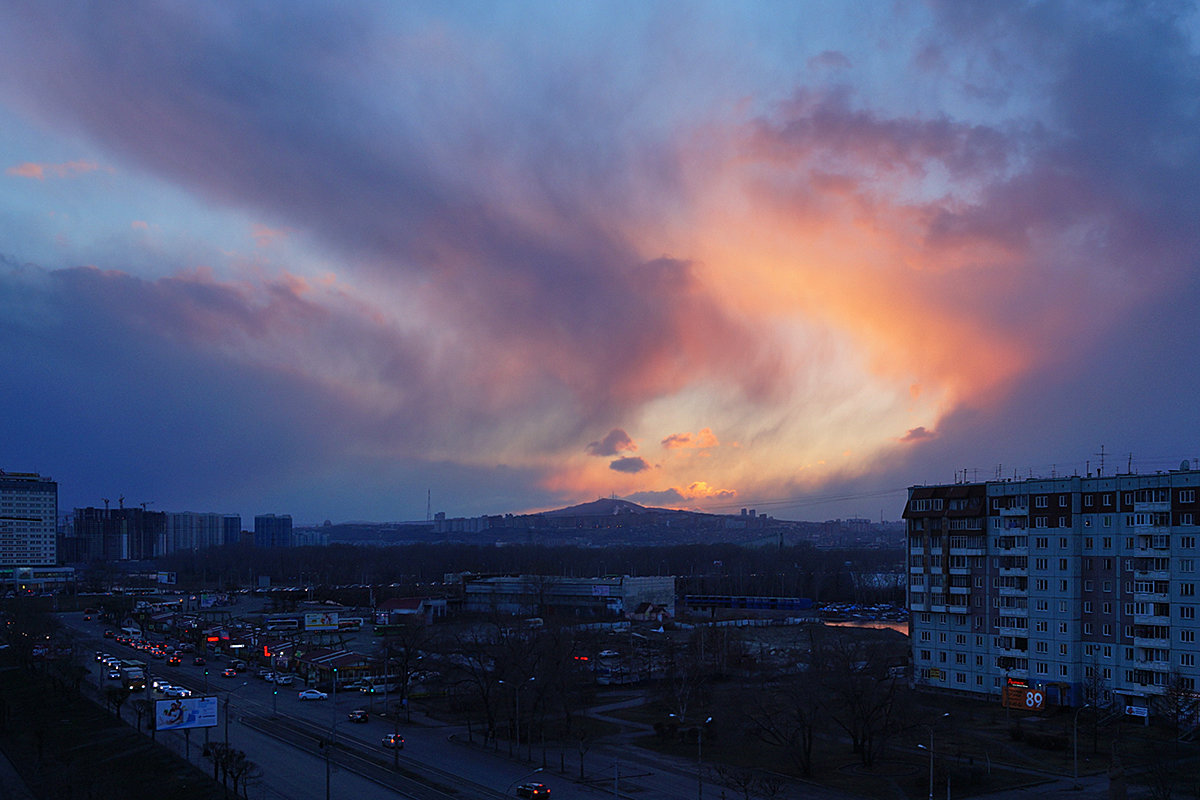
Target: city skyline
<point>357,264</point>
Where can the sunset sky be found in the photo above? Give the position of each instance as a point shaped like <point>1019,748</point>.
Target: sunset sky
<point>326,258</point>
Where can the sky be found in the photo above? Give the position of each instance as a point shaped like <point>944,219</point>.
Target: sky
<point>359,261</point>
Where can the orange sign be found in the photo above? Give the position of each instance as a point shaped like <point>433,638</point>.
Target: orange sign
<point>1024,697</point>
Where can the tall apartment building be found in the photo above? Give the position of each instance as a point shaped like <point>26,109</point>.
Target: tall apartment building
<point>28,514</point>
<point>272,530</point>
<point>117,534</point>
<point>1079,588</point>
<point>190,530</point>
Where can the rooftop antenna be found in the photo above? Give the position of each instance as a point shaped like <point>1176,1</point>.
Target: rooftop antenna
<point>105,499</point>
<point>145,503</point>
<point>121,501</point>
<point>1100,469</point>
<point>1129,467</point>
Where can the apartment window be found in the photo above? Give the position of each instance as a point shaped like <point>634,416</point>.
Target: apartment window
<point>1041,647</point>
<point>1062,606</point>
<point>1062,627</point>
<point>925,655</point>
<point>1187,565</point>
<point>1041,501</point>
<point>1106,630</point>
<point>925,637</point>
<point>1087,543</point>
<point>1186,518</point>
<point>1062,501</point>
<point>1107,522</point>
<point>1128,498</point>
<point>960,658</point>
<point>1106,608</point>
<point>1088,586</point>
<point>1062,586</point>
<point>942,657</point>
<point>1087,606</point>
<point>1187,495</point>
<point>942,637</point>
<point>1041,563</point>
<point>1039,522</point>
<point>1187,541</point>
<point>1106,500</point>
<point>1108,564</point>
<point>1187,635</point>
<point>1187,590</point>
<point>1041,584</point>
<point>1107,586</point>
<point>1041,542</point>
<point>1187,659</point>
<point>1087,522</point>
<point>979,661</point>
<point>1187,612</point>
<point>1043,668</point>
<point>1040,626</point>
<point>1062,540</point>
<point>1087,500</point>
<point>1041,605</point>
<point>1062,649</point>
<point>1062,565</point>
<point>1087,628</point>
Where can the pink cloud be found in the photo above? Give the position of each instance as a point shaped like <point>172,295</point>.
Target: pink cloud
<point>705,438</point>
<point>918,434</point>
<point>615,442</point>
<point>39,172</point>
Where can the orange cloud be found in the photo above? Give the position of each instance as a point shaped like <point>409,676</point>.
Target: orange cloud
<point>40,171</point>
<point>265,236</point>
<point>705,438</point>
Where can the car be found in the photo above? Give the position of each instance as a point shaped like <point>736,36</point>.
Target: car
<point>101,656</point>
<point>177,691</point>
<point>358,715</point>
<point>533,790</point>
<point>108,634</point>
<point>174,661</point>
<point>198,661</point>
<point>159,685</point>
<point>267,676</point>
<point>284,680</point>
<point>229,672</point>
<point>114,674</point>
<point>609,654</point>
<point>239,666</point>
<point>312,694</point>
<point>393,740</point>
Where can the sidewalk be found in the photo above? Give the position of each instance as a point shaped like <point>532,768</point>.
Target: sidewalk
<point>12,785</point>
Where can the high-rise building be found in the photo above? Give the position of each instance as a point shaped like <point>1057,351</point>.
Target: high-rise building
<point>190,530</point>
<point>117,534</point>
<point>272,530</point>
<point>1081,589</point>
<point>28,511</point>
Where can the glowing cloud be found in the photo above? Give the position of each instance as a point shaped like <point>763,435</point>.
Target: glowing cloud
<point>704,438</point>
<point>39,172</point>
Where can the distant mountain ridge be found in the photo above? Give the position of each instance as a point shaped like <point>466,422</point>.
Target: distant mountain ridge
<point>608,507</point>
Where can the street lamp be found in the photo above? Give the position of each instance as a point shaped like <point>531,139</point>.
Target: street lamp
<point>1075,738</point>
<point>930,748</point>
<point>700,759</point>
<point>517,704</point>
<point>227,696</point>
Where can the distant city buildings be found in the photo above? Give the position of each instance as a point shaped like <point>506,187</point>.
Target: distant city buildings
<point>588,598</point>
<point>1080,590</point>
<point>189,530</point>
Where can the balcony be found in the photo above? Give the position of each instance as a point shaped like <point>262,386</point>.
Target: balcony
<point>960,590</point>
<point>1019,633</point>
<point>1152,619</point>
<point>1151,641</point>
<point>1151,597</point>
<point>1014,572</point>
<point>1152,575</point>
<point>1012,591</point>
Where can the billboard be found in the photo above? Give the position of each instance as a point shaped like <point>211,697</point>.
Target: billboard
<point>169,578</point>
<point>321,621</point>
<point>177,713</point>
<point>1016,696</point>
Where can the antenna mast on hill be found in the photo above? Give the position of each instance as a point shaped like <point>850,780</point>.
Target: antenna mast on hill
<point>428,504</point>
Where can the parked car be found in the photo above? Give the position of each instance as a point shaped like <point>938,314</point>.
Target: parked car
<point>265,673</point>
<point>609,654</point>
<point>358,715</point>
<point>284,680</point>
<point>312,694</point>
<point>533,790</point>
<point>393,740</point>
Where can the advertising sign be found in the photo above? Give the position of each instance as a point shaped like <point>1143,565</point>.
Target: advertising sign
<point>177,713</point>
<point>321,621</point>
<point>169,578</point>
<point>1137,711</point>
<point>1024,697</point>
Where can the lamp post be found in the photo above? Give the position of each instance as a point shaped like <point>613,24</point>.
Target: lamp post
<point>930,748</point>
<point>1075,739</point>
<point>228,695</point>
<point>700,759</point>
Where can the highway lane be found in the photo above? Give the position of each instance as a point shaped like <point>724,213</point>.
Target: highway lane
<point>279,732</point>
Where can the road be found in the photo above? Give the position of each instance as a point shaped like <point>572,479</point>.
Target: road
<point>283,735</point>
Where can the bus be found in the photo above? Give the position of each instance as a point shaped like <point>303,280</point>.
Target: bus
<point>132,633</point>
<point>350,624</point>
<point>288,624</point>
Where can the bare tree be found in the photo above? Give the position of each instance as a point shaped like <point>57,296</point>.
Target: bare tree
<point>856,674</point>
<point>787,714</point>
